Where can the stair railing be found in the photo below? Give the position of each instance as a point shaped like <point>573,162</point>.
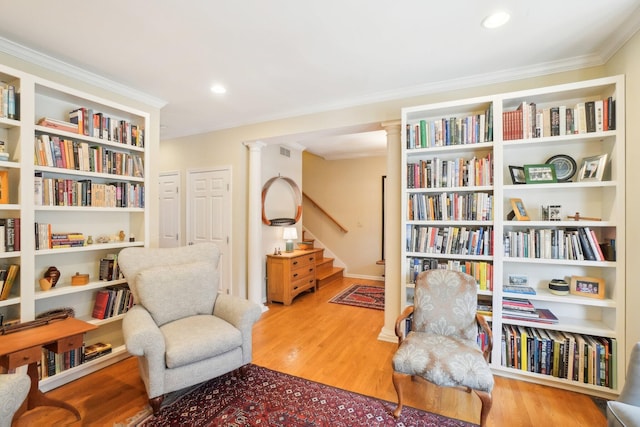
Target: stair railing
<point>331,218</point>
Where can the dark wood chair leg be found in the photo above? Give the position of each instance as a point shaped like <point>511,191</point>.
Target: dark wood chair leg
<point>486,400</point>
<point>398,378</point>
<point>155,403</point>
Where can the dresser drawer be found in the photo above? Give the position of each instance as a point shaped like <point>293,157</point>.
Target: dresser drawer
<point>304,260</point>
<point>303,271</point>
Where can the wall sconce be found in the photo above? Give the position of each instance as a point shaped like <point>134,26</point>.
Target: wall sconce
<point>289,234</point>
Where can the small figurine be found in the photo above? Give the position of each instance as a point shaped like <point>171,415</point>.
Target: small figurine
<point>121,235</point>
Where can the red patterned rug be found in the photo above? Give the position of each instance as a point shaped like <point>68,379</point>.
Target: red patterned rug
<point>262,397</point>
<point>361,296</point>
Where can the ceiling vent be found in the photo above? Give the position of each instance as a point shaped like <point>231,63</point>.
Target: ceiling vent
<point>285,152</point>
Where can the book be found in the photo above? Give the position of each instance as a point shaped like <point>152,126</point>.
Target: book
<point>519,289</point>
<point>100,304</point>
<point>58,124</point>
<point>11,274</point>
<point>4,187</point>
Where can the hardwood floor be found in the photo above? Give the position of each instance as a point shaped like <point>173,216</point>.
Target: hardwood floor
<point>335,345</point>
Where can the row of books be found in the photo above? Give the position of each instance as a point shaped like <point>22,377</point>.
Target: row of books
<point>571,244</point>
<point>482,271</point>
<point>53,363</point>
<point>109,268</point>
<point>470,129</point>
<point>85,192</point>
<point>460,172</point>
<point>10,101</point>
<point>577,357</point>
<point>112,301</point>
<point>100,125</point>
<point>10,234</point>
<point>53,151</point>
<point>8,276</point>
<point>449,240</point>
<point>529,121</point>
<point>450,206</point>
<point>45,238</point>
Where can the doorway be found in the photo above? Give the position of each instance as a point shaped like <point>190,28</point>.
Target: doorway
<point>169,204</point>
<point>209,214</point>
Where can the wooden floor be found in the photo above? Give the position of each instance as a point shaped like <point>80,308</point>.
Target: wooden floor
<point>331,344</point>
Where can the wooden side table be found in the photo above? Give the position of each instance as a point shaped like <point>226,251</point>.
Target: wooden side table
<point>25,348</point>
<point>290,274</point>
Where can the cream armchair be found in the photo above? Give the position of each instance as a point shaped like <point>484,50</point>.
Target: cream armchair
<point>13,390</point>
<point>626,410</point>
<point>441,347</point>
<point>181,329</point>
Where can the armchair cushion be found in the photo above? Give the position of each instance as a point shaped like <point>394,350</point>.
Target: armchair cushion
<point>196,338</point>
<point>444,360</point>
<point>622,414</point>
<point>171,292</point>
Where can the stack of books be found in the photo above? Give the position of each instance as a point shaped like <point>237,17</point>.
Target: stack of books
<point>522,309</point>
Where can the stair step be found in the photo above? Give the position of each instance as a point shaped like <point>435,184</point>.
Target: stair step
<point>324,266</point>
<point>322,279</point>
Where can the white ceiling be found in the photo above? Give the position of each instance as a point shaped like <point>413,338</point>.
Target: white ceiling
<point>283,58</point>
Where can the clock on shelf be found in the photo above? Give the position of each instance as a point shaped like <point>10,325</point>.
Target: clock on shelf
<point>565,166</point>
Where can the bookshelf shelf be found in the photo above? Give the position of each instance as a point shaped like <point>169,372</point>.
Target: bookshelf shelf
<point>119,138</point>
<point>601,198</point>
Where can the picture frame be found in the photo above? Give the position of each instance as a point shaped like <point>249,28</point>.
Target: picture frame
<point>519,210</point>
<point>540,173</point>
<point>517,174</point>
<point>592,168</point>
<point>590,287</point>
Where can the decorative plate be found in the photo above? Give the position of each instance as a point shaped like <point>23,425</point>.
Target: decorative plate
<point>565,167</point>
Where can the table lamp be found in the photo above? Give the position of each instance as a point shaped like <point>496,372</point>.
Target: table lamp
<point>289,234</point>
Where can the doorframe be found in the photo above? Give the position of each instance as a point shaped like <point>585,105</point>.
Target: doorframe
<point>178,174</point>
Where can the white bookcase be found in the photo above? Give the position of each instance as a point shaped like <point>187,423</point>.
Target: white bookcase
<point>603,200</point>
<point>41,98</point>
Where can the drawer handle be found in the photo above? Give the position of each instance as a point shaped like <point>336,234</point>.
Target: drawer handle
<point>294,262</point>
<point>295,274</point>
<point>295,287</point>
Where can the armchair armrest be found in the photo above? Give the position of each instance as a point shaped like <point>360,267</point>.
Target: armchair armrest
<point>142,336</point>
<point>487,330</point>
<point>240,312</point>
<point>404,315</point>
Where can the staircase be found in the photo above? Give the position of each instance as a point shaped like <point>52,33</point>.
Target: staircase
<point>326,272</point>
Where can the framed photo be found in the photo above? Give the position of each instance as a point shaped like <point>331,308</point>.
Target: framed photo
<point>540,174</point>
<point>519,210</point>
<point>592,168</point>
<point>591,287</point>
<point>517,174</point>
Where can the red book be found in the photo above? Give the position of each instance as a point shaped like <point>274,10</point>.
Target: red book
<point>100,306</point>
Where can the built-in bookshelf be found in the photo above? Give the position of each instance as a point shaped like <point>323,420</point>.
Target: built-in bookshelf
<point>78,179</point>
<point>557,153</point>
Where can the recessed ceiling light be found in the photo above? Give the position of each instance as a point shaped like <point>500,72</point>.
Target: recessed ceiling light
<point>496,20</point>
<point>218,89</point>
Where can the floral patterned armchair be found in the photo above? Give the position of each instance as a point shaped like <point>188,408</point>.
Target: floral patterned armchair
<point>441,346</point>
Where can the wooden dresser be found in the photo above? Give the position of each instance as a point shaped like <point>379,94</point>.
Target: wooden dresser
<point>290,273</point>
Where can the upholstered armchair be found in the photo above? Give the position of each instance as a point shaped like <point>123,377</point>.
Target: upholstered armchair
<point>181,329</point>
<point>626,410</point>
<point>441,347</point>
<point>13,390</point>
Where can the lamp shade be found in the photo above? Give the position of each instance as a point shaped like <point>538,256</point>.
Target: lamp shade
<point>290,233</point>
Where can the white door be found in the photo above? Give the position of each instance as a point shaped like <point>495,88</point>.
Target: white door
<point>209,214</point>
<point>169,190</point>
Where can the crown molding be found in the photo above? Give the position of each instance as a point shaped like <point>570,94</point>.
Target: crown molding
<point>621,36</point>
<point>40,59</point>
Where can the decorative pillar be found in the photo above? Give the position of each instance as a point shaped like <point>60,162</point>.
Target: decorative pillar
<point>392,224</point>
<point>254,225</point>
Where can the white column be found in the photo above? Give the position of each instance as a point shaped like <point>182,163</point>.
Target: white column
<point>392,224</point>
<point>255,256</point>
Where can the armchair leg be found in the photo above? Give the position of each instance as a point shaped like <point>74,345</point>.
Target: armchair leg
<point>397,380</point>
<point>155,403</point>
<point>486,400</point>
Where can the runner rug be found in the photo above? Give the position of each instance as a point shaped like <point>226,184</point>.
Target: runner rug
<point>262,397</point>
<point>361,296</point>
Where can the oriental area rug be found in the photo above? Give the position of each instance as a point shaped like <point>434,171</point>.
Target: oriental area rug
<point>265,398</point>
<point>361,296</point>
